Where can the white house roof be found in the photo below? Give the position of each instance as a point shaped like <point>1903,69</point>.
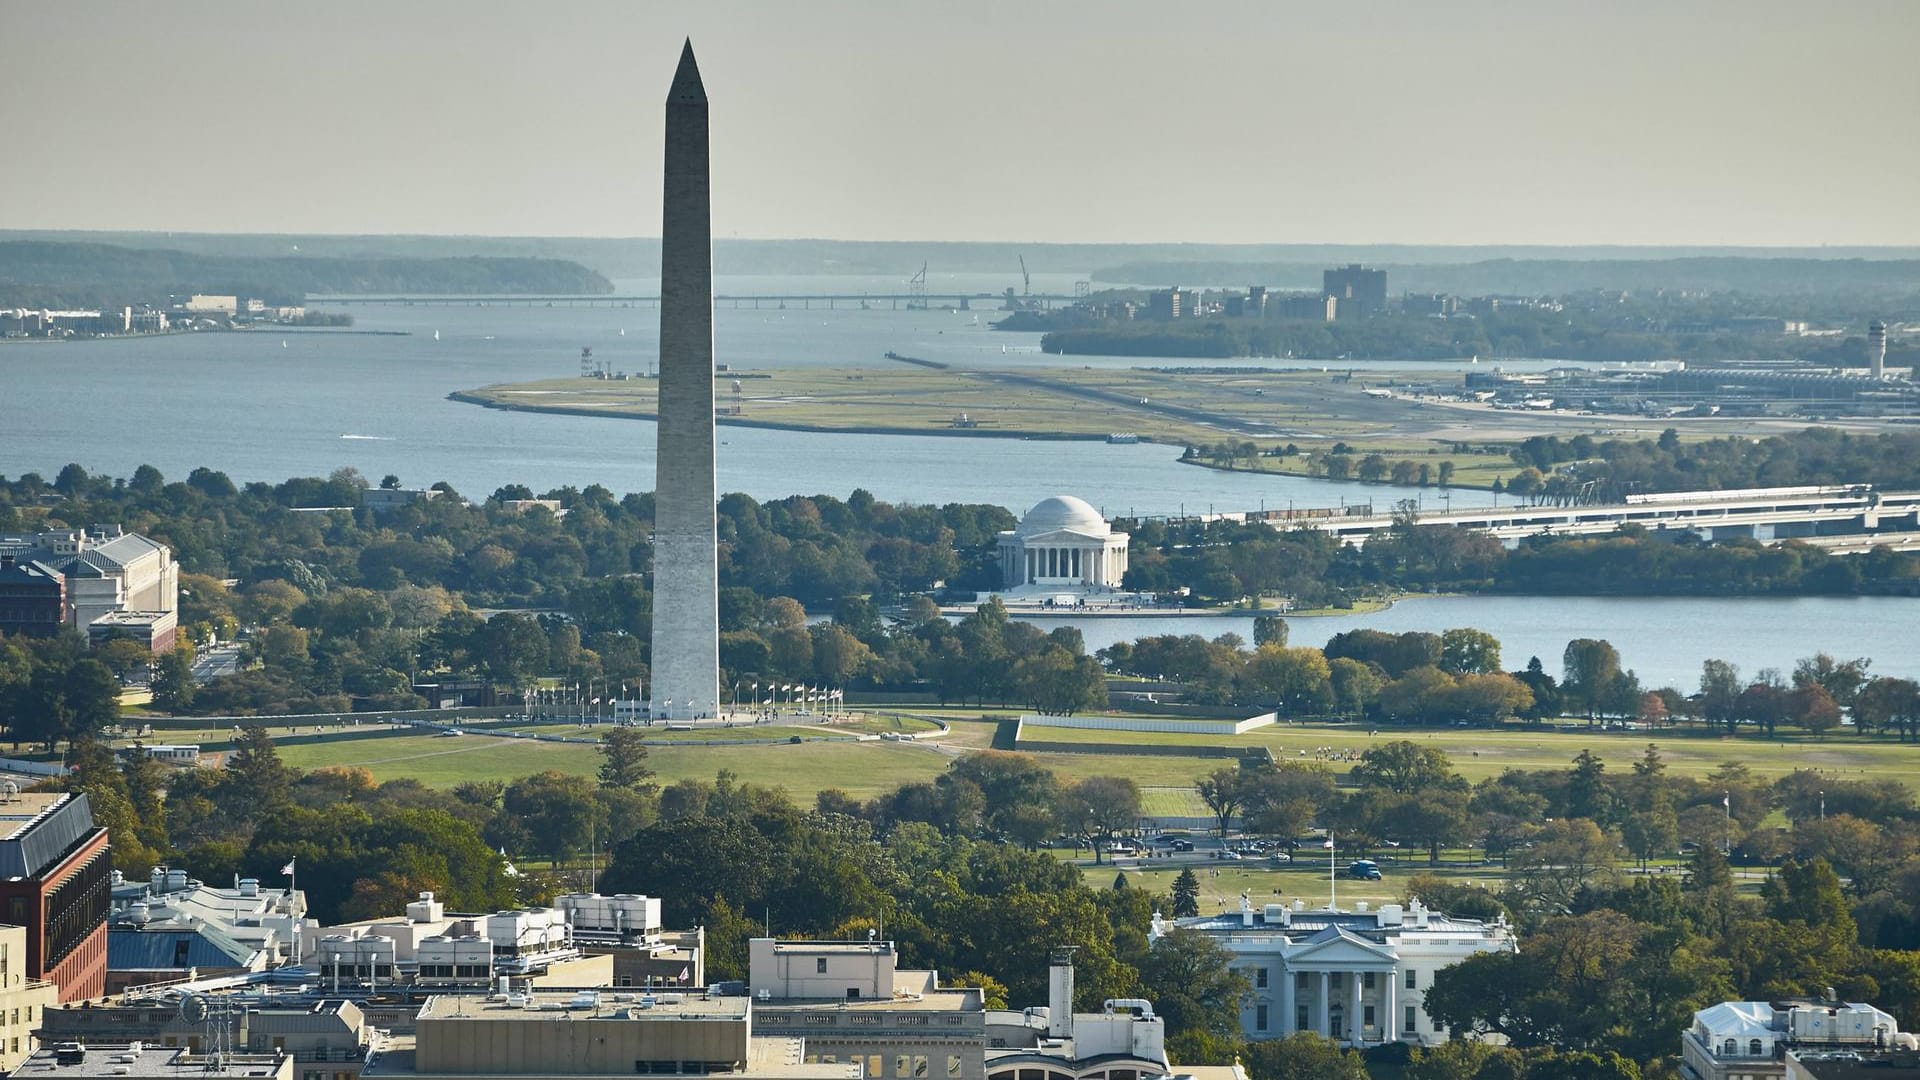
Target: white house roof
<point>1338,945</point>
<point>1737,1019</point>
<point>1063,512</point>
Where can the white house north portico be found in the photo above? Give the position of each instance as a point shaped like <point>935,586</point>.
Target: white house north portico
<point>1358,977</point>
<point>1063,543</point>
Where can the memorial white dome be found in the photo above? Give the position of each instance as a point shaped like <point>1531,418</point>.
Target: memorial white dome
<point>1063,512</point>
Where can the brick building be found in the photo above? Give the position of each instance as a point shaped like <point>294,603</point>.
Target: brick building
<point>56,880</point>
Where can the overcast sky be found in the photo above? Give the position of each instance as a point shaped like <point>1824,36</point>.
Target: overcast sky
<point>1745,122</point>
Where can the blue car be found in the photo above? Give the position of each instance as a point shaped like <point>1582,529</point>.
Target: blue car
<point>1364,870</point>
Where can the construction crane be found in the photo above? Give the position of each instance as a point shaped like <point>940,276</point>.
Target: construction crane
<point>917,289</point>
<point>1025,277</point>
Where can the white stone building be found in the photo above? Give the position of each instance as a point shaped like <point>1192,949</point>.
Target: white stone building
<point>1062,543</point>
<point>1359,977</point>
<point>852,1002</point>
<point>116,581</point>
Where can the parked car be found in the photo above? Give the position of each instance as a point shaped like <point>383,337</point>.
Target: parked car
<point>1279,858</point>
<point>1364,870</point>
<point>1183,845</point>
<point>1233,856</point>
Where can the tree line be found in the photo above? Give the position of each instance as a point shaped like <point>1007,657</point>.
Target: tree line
<point>1227,563</point>
<point>40,273</point>
<point>1613,965</point>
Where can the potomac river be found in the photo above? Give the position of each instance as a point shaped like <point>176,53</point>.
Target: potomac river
<point>267,405</point>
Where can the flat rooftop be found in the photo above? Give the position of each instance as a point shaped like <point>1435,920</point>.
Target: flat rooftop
<point>22,810</point>
<point>624,1006</point>
<point>827,948</point>
<point>122,1061</point>
<point>774,1056</point>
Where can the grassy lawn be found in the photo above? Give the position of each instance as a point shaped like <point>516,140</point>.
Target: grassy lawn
<point>1469,470</point>
<point>739,733</point>
<point>863,769</point>
<point>869,768</point>
<point>1168,802</point>
<point>881,723</point>
<point>1163,406</point>
<point>1478,753</point>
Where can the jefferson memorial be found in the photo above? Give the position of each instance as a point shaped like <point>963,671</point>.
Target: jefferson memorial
<point>1063,543</point>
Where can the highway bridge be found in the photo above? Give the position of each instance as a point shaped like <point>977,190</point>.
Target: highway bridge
<point>1843,518</point>
<point>890,301</point>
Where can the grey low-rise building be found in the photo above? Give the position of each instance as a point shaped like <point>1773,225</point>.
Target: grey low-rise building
<point>269,921</point>
<point>141,955</point>
<point>139,1061</point>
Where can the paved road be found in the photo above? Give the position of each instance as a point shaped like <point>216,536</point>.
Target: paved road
<point>216,661</point>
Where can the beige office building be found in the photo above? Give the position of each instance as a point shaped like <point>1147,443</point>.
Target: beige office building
<point>593,1034</point>
<point>851,1002</point>
<point>22,1000</point>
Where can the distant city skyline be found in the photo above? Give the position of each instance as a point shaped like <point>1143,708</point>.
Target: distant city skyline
<point>1746,124</point>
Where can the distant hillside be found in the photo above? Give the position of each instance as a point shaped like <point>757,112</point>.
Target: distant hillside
<point>53,273</point>
<point>639,257</point>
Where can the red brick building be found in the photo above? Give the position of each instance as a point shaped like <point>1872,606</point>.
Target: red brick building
<point>56,880</point>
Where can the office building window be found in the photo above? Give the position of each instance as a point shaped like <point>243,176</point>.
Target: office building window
<point>820,966</point>
<point>1367,980</point>
<point>1367,1016</point>
<point>1413,979</point>
<point>953,1065</point>
<point>876,1065</point>
<point>1260,1018</point>
<point>1260,978</point>
<point>901,1064</point>
<point>1410,1026</point>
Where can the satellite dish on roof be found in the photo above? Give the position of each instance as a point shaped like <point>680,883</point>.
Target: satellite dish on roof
<point>193,1009</point>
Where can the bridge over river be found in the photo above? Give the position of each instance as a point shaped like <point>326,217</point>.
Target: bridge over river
<point>891,301</point>
<point>1844,518</point>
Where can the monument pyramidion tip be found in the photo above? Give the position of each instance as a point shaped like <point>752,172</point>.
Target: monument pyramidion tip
<point>686,78</point>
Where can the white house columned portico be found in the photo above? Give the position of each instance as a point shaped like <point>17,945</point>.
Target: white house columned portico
<point>1358,977</point>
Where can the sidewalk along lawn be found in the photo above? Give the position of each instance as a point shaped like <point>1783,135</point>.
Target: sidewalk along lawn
<point>861,769</point>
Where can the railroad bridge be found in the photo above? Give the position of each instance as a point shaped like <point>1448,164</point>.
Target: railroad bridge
<point>1839,517</point>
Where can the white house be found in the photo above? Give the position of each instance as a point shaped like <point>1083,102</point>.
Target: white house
<point>1358,976</point>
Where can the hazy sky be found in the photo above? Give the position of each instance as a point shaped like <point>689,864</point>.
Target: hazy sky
<point>1742,122</point>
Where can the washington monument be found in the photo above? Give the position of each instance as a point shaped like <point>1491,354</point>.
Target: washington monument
<point>686,614</point>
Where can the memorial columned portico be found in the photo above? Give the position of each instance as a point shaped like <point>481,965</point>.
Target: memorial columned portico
<point>1063,543</point>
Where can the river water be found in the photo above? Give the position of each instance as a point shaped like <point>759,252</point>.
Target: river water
<point>270,405</point>
<point>1663,640</point>
<point>259,409</point>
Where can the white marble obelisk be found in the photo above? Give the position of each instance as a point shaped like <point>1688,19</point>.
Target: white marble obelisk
<point>686,615</point>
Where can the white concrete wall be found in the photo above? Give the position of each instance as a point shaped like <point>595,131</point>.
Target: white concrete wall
<point>1134,723</point>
